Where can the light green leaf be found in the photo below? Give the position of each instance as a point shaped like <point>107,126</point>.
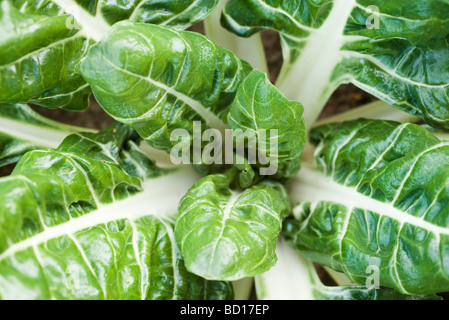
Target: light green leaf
<point>378,200</point>
<point>93,219</point>
<point>391,49</point>
<point>38,58</point>
<point>22,130</point>
<point>377,110</point>
<point>142,75</point>
<point>225,233</point>
<point>43,42</point>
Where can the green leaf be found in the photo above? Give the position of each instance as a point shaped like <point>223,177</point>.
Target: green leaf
<point>179,14</point>
<point>43,42</point>
<point>93,219</point>
<point>391,49</point>
<point>38,59</point>
<point>142,75</point>
<point>296,278</point>
<point>225,233</point>
<point>378,199</point>
<point>22,130</point>
<point>260,108</point>
<point>248,49</point>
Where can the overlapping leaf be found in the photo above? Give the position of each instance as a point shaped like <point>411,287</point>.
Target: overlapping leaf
<point>93,220</point>
<point>43,42</point>
<point>379,200</point>
<point>22,130</point>
<point>391,49</point>
<point>142,76</point>
<point>157,79</point>
<point>225,233</point>
<point>296,278</point>
<point>274,121</point>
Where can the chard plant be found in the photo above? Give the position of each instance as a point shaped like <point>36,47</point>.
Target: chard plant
<point>267,193</point>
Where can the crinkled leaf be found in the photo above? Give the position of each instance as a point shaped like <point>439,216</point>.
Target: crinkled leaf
<point>391,49</point>
<point>296,278</point>
<point>379,199</point>
<point>276,123</point>
<point>92,219</point>
<point>38,59</point>
<point>43,42</point>
<point>225,233</point>
<point>142,75</point>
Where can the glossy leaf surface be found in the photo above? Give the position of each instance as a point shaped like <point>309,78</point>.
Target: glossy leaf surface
<point>93,219</point>
<point>142,75</point>
<point>43,42</point>
<point>227,234</point>
<point>378,201</point>
<point>391,49</point>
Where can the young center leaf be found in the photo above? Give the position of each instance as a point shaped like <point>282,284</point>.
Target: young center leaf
<point>226,233</point>
<point>378,200</point>
<point>93,219</point>
<point>391,49</point>
<point>275,122</point>
<point>43,42</point>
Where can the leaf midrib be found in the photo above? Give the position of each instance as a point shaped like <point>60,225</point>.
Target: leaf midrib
<point>93,27</point>
<point>153,200</point>
<point>37,135</point>
<point>226,215</point>
<point>212,120</point>
<point>313,186</point>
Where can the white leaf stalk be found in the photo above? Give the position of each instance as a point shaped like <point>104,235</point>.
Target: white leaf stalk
<point>36,129</point>
<point>377,110</point>
<point>45,137</point>
<point>159,197</point>
<point>248,49</point>
<point>308,79</point>
<point>292,278</point>
<point>93,27</point>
